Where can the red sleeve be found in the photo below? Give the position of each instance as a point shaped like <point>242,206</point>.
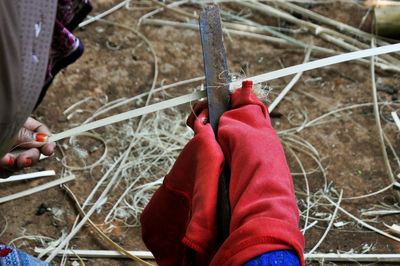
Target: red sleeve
<point>264,212</point>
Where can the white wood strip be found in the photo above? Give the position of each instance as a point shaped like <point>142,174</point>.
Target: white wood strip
<point>290,85</point>
<point>28,176</point>
<point>318,63</point>
<point>130,114</point>
<point>396,119</point>
<point>36,189</point>
<point>234,85</point>
<point>354,257</point>
<point>316,256</point>
<point>106,13</point>
<point>100,253</point>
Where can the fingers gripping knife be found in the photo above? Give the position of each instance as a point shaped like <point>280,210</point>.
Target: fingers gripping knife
<point>217,83</point>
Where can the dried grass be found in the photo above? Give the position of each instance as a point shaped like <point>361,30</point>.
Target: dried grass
<point>143,150</point>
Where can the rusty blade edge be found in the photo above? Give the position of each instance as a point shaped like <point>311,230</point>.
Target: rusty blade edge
<point>216,70</point>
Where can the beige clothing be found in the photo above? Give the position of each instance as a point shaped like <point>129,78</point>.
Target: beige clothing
<point>26,28</point>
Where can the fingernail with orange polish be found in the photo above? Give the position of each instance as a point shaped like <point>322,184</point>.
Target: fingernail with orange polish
<point>27,162</point>
<point>40,137</point>
<point>10,161</point>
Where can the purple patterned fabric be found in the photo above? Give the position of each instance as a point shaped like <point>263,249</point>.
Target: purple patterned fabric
<point>64,42</point>
<point>65,47</point>
<point>71,12</point>
<point>64,11</point>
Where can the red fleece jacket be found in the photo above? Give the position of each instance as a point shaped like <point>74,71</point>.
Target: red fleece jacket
<point>182,212</point>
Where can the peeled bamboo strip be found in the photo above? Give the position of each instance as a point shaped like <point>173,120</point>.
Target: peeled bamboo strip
<point>316,256</point>
<point>270,39</point>
<point>353,257</point>
<point>159,22</point>
<point>235,29</point>
<point>290,85</point>
<point>100,253</point>
<point>175,10</point>
<point>370,227</point>
<point>103,195</point>
<point>323,19</point>
<point>330,224</point>
<point>126,101</point>
<point>379,126</point>
<point>396,119</point>
<point>130,114</point>
<point>106,13</point>
<point>233,85</point>
<point>337,38</point>
<point>320,63</point>
<point>28,176</point>
<point>104,236</point>
<point>380,212</point>
<point>37,189</point>
<point>315,29</point>
<point>158,10</point>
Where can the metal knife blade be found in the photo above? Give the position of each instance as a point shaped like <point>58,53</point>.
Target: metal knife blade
<point>217,83</point>
<point>216,69</point>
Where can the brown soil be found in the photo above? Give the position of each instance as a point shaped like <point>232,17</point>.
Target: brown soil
<point>348,145</point>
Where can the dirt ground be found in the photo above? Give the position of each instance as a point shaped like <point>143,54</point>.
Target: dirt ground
<point>118,64</point>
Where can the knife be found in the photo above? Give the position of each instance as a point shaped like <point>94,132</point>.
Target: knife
<point>217,84</point>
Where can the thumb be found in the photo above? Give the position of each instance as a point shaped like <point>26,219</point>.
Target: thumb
<point>29,139</point>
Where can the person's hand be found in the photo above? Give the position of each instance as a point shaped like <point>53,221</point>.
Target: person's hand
<point>33,137</point>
